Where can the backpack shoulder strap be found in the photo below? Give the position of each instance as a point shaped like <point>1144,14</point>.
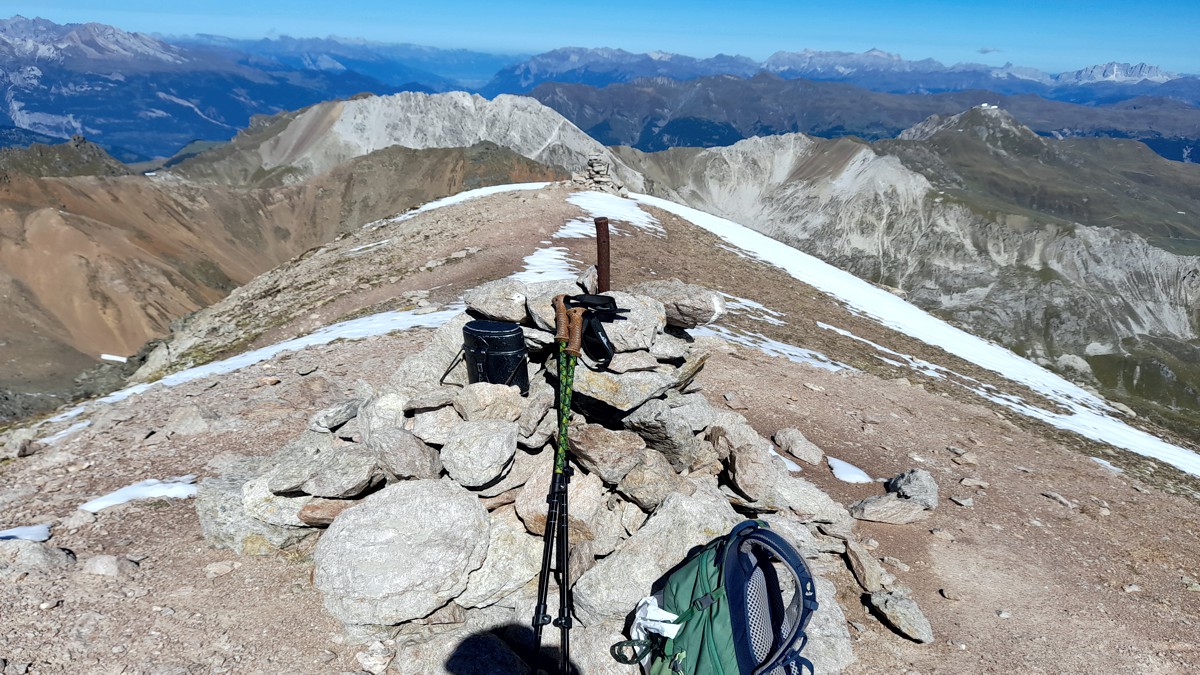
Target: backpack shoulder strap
<point>803,604</point>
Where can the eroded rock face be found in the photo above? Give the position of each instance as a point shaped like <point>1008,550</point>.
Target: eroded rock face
<point>405,551</point>
<point>686,305</point>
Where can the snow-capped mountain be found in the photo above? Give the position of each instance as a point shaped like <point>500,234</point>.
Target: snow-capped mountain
<point>47,42</point>
<point>1116,72</point>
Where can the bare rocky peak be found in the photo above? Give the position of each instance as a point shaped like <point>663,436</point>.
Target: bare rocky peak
<point>329,134</point>
<point>76,157</point>
<point>47,41</point>
<point>989,122</point>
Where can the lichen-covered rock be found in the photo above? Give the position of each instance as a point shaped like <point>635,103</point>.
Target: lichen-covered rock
<point>651,480</point>
<point>903,614</point>
<point>401,455</point>
<point>793,442</point>
<point>500,300</point>
<point>612,588</point>
<point>645,319</point>
<point>889,508</point>
<point>669,432</point>
<point>225,523</point>
<point>434,426</point>
<point>514,557</point>
<point>331,418</point>
<point>917,485</point>
<point>686,305</point>
<point>478,452</point>
<point>404,552</point>
<point>485,401</point>
<point>608,454</point>
<point>343,473</point>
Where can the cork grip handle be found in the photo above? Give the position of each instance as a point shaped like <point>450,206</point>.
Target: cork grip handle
<point>560,318</point>
<point>575,332</point>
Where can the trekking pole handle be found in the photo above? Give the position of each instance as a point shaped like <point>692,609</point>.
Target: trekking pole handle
<point>575,330</point>
<point>562,333</point>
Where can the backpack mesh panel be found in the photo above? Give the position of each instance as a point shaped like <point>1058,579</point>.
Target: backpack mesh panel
<point>765,616</point>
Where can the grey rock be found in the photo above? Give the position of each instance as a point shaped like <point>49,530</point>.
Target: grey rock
<point>610,590</point>
<point>523,465</point>
<point>645,319</point>
<point>535,404</point>
<point>20,556</point>
<point>225,523</point>
<point>384,410</point>
<point>628,362</point>
<point>108,566</point>
<point>607,526</point>
<point>541,298</point>
<point>262,504</point>
<point>754,471</point>
<point>404,552</point>
<point>608,454</point>
<point>187,421</point>
<point>590,649</point>
<point>889,508</point>
<point>513,558</point>
<point>651,481</point>
<point>434,427</point>
<point>537,339</point>
<point>669,432</point>
<point>793,442</point>
<point>623,391</point>
<point>917,485</point>
<point>401,455</point>
<point>866,568</point>
<point>586,498</point>
<point>295,462</point>
<point>667,347</point>
<point>830,647</point>
<point>431,367</point>
<point>589,279</point>
<point>543,433</point>
<point>686,305</point>
<point>331,418</point>
<point>343,473</point>
<point>484,401</point>
<point>500,300</point>
<point>902,613</point>
<point>477,452</point>
<point>700,414</point>
<point>431,399</point>
<point>808,501</point>
<point>795,532</point>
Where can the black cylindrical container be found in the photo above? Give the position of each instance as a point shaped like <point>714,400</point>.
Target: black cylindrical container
<point>495,352</point>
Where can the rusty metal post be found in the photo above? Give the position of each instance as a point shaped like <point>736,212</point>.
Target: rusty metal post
<point>602,278</point>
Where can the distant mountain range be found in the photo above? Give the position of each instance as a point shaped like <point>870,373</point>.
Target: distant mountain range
<point>658,113</point>
<point>142,96</point>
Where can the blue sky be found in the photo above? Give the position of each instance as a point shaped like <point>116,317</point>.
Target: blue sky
<point>1053,35</point>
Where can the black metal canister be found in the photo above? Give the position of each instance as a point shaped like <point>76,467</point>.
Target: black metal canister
<point>495,352</point>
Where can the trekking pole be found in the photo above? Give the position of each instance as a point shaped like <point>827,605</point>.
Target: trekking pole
<point>569,329</point>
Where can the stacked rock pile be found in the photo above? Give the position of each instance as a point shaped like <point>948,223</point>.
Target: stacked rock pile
<point>600,176</point>
<point>427,497</point>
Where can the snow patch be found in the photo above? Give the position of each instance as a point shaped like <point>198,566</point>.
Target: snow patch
<point>27,532</point>
<point>114,358</point>
<point>174,488</point>
<point>847,472</point>
<point>53,439</point>
<point>1107,465</point>
<point>772,347</point>
<point>548,264</point>
<point>610,206</point>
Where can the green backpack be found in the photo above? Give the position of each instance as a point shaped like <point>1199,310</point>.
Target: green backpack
<point>730,610</point>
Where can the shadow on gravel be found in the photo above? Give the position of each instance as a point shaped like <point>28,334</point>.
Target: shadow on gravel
<point>503,650</point>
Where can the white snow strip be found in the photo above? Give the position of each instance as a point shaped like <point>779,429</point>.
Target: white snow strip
<point>791,466</point>
<point>599,204</point>
<point>114,358</point>
<point>847,472</point>
<point>548,264</point>
<point>772,347</point>
<point>174,488</point>
<point>55,438</point>
<point>355,329</point>
<point>753,310</point>
<point>1087,414</point>
<point>63,416</point>
<point>27,532</point>
<point>1107,464</point>
<point>457,199</point>
<point>367,247</point>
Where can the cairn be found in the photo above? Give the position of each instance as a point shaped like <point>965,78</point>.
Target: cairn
<point>423,502</point>
<point>600,176</point>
